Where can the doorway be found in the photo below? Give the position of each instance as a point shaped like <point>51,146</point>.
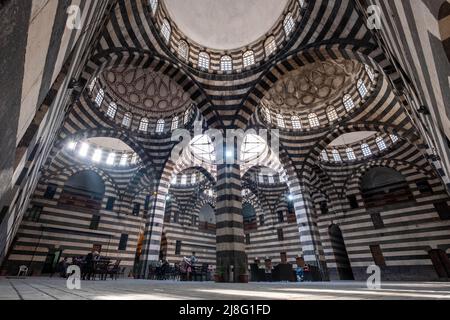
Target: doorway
<point>343,265</point>
<point>51,262</point>
<point>441,262</point>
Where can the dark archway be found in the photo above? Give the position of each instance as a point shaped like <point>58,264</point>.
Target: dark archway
<point>383,186</point>
<point>249,213</point>
<point>343,265</point>
<point>84,190</point>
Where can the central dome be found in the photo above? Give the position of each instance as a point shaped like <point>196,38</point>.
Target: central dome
<point>225,24</point>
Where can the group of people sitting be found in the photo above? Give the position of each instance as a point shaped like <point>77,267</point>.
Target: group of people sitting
<point>188,269</point>
<point>90,265</point>
<point>264,271</point>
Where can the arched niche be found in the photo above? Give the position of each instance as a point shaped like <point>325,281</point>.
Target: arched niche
<point>343,265</point>
<point>207,214</point>
<point>249,214</point>
<point>383,186</point>
<point>84,190</point>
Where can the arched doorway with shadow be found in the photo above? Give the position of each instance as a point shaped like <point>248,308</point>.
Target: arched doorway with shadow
<point>343,270</point>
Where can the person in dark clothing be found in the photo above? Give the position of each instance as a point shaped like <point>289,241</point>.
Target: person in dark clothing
<point>88,268</point>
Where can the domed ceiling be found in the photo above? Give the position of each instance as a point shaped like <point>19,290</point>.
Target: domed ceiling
<point>146,92</point>
<point>313,85</point>
<point>225,24</point>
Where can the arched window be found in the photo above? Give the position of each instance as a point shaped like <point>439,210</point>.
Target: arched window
<point>193,179</point>
<point>289,24</point>
<point>381,144</point>
<point>370,73</point>
<point>184,179</point>
<point>394,138</point>
<point>248,59</point>
<point>153,5</point>
<point>362,89</point>
<point>183,50</point>
<point>92,85</point>
<point>112,110</point>
<point>203,61</point>
<point>143,125</point>
<point>280,121</point>
<point>124,160</point>
<point>134,158</point>
<point>350,154</point>
<point>332,114</point>
<point>111,159</point>
<point>175,121</point>
<point>127,118</point>
<point>296,124</point>
<point>97,156</point>
<point>270,46</point>
<point>336,156</point>
<point>313,120</point>
<point>100,97</point>
<point>348,103</point>
<point>366,150</point>
<point>166,30</point>
<point>324,155</point>
<point>187,116</point>
<point>226,63</point>
<point>160,126</point>
<point>84,150</point>
<point>207,215</point>
<point>267,115</point>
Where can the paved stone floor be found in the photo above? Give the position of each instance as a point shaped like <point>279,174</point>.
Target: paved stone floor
<point>56,289</point>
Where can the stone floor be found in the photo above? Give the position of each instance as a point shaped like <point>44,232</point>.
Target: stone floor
<point>56,289</point>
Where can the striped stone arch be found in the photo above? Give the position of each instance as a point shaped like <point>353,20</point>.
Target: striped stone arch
<point>322,144</point>
<point>65,173</point>
<point>252,199</point>
<point>141,182</point>
<point>370,55</point>
<point>326,186</point>
<point>134,58</point>
<point>397,165</point>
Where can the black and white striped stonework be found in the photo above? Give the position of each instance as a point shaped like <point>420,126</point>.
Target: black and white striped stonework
<point>229,223</point>
<point>408,96</point>
<point>416,34</point>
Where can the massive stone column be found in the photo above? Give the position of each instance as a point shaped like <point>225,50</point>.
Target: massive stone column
<point>309,232</point>
<point>153,231</point>
<point>231,258</point>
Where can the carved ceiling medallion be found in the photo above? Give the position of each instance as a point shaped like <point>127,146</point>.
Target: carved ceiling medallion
<point>313,85</point>
<point>149,92</point>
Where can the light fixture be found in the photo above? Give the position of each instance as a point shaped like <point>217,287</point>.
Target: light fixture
<point>290,197</point>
